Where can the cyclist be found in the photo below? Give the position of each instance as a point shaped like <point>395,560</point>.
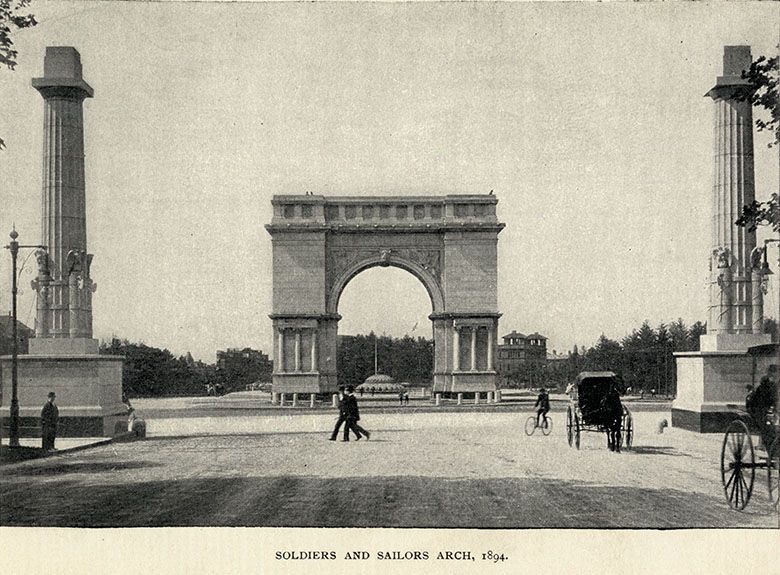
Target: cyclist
<point>543,403</point>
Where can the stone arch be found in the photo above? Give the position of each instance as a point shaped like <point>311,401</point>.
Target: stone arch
<point>449,243</point>
<point>428,280</point>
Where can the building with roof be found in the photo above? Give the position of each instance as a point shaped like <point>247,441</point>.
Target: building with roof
<point>521,353</point>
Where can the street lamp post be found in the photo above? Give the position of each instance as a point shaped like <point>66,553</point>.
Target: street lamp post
<point>13,428</point>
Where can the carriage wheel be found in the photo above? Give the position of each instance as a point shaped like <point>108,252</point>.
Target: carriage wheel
<point>773,471</point>
<point>628,429</point>
<point>569,425</point>
<point>530,425</point>
<point>737,460</point>
<point>576,430</point>
<point>547,426</point>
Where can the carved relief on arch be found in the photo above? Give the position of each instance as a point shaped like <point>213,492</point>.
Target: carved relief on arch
<point>342,259</point>
<point>344,263</point>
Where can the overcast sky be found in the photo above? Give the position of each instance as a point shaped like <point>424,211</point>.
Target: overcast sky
<point>588,121</point>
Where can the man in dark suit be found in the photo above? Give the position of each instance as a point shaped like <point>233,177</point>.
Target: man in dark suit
<point>49,417</point>
<point>342,416</point>
<point>352,416</point>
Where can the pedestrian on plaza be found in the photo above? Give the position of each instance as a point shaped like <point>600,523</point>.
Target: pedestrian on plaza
<point>342,414</point>
<point>49,417</point>
<point>352,416</point>
<point>406,397</point>
<point>401,397</point>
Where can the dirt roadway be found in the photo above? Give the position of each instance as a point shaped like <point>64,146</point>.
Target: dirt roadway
<point>418,470</point>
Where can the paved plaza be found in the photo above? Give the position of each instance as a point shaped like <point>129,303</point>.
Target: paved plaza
<point>418,470</point>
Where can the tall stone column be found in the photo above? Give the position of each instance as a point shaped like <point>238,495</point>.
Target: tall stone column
<point>733,186</point>
<point>710,382</point>
<point>63,200</point>
<point>63,357</point>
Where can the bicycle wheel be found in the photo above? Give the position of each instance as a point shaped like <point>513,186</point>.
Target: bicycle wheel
<point>569,426</point>
<point>530,425</point>
<point>547,426</point>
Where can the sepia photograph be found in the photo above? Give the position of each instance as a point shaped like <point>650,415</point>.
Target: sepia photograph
<point>522,256</point>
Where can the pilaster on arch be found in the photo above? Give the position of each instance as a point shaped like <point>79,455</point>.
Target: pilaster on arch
<point>425,268</point>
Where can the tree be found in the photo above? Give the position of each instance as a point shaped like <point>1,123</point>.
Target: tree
<point>12,19</point>
<point>679,335</point>
<point>605,355</point>
<point>763,77</point>
<point>697,330</point>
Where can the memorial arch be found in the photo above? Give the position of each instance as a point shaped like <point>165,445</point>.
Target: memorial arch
<point>449,243</point>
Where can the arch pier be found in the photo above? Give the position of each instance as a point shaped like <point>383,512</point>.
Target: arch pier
<point>449,243</point>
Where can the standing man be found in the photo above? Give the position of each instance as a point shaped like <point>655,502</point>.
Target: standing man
<point>352,416</point>
<point>49,417</point>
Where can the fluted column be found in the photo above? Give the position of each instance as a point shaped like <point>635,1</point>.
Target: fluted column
<point>63,206</point>
<point>455,348</point>
<point>280,367</point>
<point>297,350</point>
<point>733,187</point>
<point>473,365</point>
<point>314,350</point>
<point>490,348</point>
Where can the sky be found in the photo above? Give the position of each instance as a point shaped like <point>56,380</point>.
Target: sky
<point>588,120</point>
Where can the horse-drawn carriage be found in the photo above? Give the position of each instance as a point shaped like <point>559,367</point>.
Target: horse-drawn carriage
<point>596,406</point>
<point>741,454</point>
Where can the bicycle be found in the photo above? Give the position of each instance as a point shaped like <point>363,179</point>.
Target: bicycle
<point>531,425</point>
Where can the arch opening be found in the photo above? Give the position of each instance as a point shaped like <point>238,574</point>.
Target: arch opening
<point>385,310</point>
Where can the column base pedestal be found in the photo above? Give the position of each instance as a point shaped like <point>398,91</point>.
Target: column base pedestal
<point>88,388</point>
<point>711,387</point>
<point>304,382</point>
<point>465,381</point>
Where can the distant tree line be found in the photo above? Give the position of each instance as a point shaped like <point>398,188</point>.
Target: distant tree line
<point>153,372</point>
<point>644,359</point>
<point>405,359</point>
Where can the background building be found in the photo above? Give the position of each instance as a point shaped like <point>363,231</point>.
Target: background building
<point>522,359</point>
<point>239,367</point>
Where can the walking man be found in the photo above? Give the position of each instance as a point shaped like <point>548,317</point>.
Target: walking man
<point>49,417</point>
<point>352,416</point>
<point>342,415</point>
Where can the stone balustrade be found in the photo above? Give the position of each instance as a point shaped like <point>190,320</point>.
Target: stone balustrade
<point>383,211</point>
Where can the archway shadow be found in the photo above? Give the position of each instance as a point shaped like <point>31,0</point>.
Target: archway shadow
<point>389,501</point>
<point>62,468</point>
